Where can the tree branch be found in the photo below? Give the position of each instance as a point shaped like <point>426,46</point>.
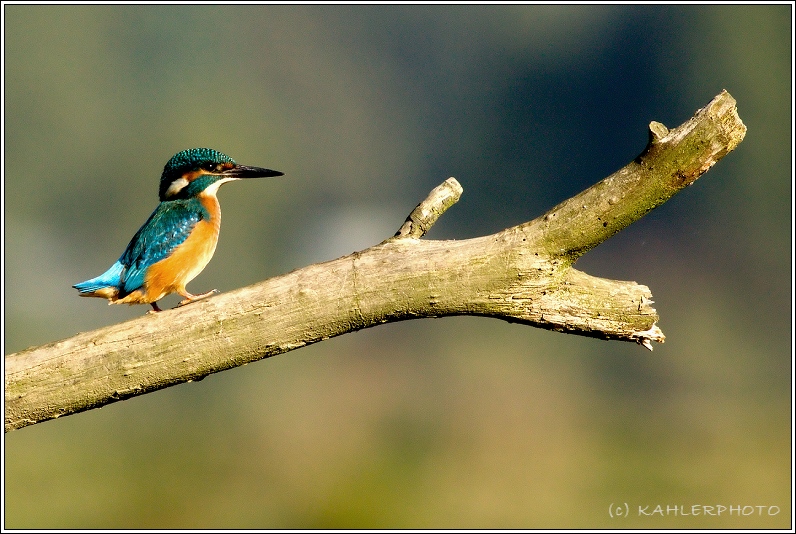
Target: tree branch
<point>523,274</point>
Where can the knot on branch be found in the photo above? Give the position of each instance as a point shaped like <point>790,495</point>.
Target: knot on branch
<point>427,212</point>
<point>657,132</point>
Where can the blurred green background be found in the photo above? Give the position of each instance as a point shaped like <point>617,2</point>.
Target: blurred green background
<point>455,422</point>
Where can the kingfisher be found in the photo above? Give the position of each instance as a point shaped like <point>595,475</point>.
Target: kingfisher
<point>178,240</point>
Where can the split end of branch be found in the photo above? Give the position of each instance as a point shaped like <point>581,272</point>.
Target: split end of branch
<point>427,212</point>
<point>646,337</point>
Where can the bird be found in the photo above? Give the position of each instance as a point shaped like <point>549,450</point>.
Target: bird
<point>178,240</point>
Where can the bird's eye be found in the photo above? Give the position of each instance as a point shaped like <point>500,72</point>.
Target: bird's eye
<point>211,167</point>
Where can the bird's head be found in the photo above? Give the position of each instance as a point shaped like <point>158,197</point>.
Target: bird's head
<point>193,171</point>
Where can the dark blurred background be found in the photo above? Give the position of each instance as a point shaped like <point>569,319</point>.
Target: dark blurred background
<point>455,422</point>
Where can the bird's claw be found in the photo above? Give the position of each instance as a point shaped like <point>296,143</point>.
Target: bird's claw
<point>193,298</point>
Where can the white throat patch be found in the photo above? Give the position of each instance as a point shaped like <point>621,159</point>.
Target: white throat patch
<point>212,189</point>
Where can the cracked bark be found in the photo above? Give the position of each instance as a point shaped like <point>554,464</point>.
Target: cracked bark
<point>523,274</point>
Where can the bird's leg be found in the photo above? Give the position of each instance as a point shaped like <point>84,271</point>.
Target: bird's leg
<point>191,298</point>
<point>155,308</point>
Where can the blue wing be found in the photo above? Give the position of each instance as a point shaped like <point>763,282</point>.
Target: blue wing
<point>168,227</point>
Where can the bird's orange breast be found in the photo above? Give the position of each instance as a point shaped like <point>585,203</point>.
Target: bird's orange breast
<point>171,274</point>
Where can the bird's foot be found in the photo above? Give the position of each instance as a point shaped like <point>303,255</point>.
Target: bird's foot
<point>155,308</point>
<point>192,298</point>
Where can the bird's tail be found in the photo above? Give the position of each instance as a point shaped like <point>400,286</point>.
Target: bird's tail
<point>105,285</point>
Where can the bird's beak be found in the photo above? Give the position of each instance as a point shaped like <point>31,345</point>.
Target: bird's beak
<point>242,171</point>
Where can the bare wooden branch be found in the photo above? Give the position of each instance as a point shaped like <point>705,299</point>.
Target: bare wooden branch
<point>523,274</point>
